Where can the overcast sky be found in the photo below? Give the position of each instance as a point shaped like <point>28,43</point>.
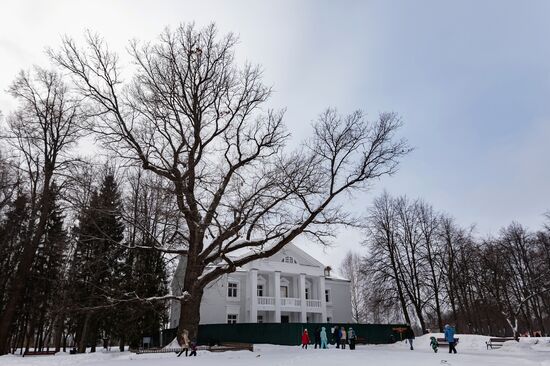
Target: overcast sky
<point>470,79</point>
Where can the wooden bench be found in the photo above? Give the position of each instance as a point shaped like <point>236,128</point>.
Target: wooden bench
<point>443,342</point>
<point>230,346</point>
<point>498,342</point>
<point>38,353</point>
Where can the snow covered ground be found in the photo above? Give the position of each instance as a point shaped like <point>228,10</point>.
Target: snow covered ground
<point>472,352</point>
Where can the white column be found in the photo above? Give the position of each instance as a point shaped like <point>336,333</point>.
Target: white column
<point>302,289</point>
<point>253,296</point>
<point>323,299</point>
<point>277,295</point>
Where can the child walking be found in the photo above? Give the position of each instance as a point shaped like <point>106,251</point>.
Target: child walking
<point>193,349</point>
<point>434,344</point>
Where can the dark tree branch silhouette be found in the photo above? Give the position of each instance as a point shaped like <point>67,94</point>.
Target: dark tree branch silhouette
<point>191,116</point>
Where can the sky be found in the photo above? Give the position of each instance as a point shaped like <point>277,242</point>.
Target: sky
<point>469,79</point>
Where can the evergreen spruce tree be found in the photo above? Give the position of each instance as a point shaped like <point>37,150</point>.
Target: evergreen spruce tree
<point>97,264</point>
<point>34,319</point>
<point>12,231</point>
<point>44,291</point>
<point>146,277</point>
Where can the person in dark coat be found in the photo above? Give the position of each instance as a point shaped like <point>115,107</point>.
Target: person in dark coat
<point>337,335</point>
<point>409,336</point>
<point>317,338</point>
<point>351,338</point>
<point>193,349</point>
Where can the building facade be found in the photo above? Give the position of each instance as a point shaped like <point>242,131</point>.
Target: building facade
<point>289,287</point>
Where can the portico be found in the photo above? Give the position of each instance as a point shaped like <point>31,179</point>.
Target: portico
<point>280,296</point>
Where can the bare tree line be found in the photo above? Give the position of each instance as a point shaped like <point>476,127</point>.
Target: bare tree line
<point>425,269</point>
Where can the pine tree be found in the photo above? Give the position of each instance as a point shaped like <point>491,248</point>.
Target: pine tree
<point>44,290</point>
<point>146,277</point>
<point>34,318</point>
<point>12,231</point>
<point>144,271</point>
<point>98,262</point>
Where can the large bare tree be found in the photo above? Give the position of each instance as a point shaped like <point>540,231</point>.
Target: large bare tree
<point>350,268</point>
<point>188,113</point>
<point>383,266</point>
<point>47,122</point>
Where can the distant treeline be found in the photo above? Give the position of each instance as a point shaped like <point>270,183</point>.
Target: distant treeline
<point>424,269</point>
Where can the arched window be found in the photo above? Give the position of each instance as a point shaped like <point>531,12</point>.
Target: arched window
<point>289,259</point>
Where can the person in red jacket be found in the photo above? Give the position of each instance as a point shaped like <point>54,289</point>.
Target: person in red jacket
<point>305,339</point>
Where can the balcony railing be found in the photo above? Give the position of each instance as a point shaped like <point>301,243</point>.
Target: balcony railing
<point>313,303</point>
<point>264,300</point>
<point>288,302</point>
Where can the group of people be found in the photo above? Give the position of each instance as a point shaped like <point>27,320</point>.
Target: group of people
<point>339,335</point>
<point>187,345</point>
<point>449,335</point>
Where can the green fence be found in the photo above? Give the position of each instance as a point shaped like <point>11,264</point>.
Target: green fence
<point>286,333</point>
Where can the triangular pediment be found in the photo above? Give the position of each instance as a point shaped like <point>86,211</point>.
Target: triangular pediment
<point>299,255</point>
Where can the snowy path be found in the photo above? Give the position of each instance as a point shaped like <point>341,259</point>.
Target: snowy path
<point>472,352</point>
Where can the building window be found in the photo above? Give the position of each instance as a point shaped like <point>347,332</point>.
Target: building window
<point>232,288</point>
<point>260,319</point>
<point>307,293</point>
<point>327,295</point>
<point>260,290</point>
<point>284,291</point>
<point>289,259</point>
<point>231,318</point>
<point>329,319</point>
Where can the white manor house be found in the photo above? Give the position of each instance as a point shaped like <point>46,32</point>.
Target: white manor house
<point>289,287</point>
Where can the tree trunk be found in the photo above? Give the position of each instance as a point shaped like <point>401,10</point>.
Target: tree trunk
<point>17,290</point>
<point>436,294</point>
<point>15,294</point>
<point>420,318</point>
<point>58,332</point>
<point>27,339</point>
<point>84,334</point>
<point>394,266</point>
<point>190,315</point>
<point>121,344</point>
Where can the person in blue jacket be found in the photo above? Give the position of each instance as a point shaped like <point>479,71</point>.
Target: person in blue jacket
<point>450,338</point>
<point>324,339</point>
